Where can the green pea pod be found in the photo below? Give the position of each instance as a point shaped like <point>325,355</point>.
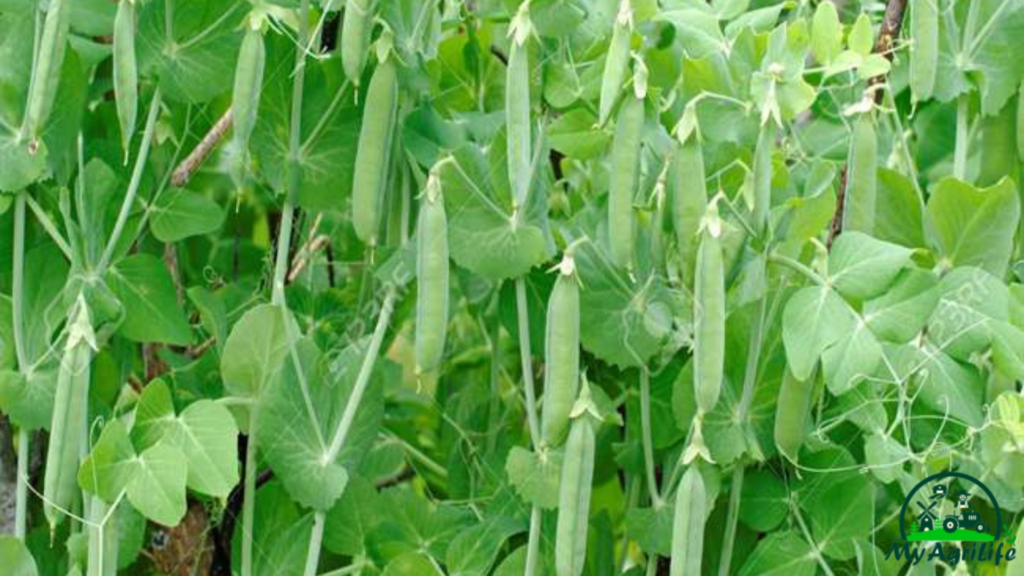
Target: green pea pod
<point>709,320</point>
<point>690,199</point>
<point>245,99</point>
<point>432,278</point>
<point>374,150</point>
<point>924,49</point>
<point>574,499</point>
<point>356,28</point>
<point>561,355</point>
<point>862,177</point>
<point>617,62</point>
<point>763,177</point>
<point>624,168</point>
<point>70,408</point>
<point>688,525</point>
<point>791,412</point>
<point>517,119</point>
<point>46,75</point>
<point>126,79</point>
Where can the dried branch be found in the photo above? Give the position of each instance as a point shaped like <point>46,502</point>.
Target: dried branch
<point>183,173</point>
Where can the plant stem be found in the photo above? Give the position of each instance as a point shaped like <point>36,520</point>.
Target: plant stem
<point>249,495</point>
<point>17,317</point>
<point>133,184</point>
<point>316,538</point>
<point>798,267</point>
<point>962,137</point>
<point>522,312</point>
<point>50,227</point>
<point>645,433</point>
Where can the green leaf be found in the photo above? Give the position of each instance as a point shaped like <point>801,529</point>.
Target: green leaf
<point>16,557</point>
<point>255,349</point>
<point>886,456</point>
<point>860,267</point>
<point>902,312</point>
<point>191,52</point>
<point>652,528</point>
<point>179,214</point>
<point>157,487</point>
<point>838,505</point>
<point>814,319</point>
<point>482,223</point>
<point>898,208</point>
<point>1002,23</point>
<point>765,502</point>
<point>28,399</point>
<point>942,384</point>
<point>970,300</point>
<point>111,466</point>
<point>826,33</point>
<point>412,564</point>
<point>535,476</point>
<point>780,554</point>
<point>352,518</point>
<point>861,39</point>
<point>144,287</point>
<point>474,550</point>
<point>21,166</point>
<point>573,135</point>
<point>974,227</point>
<point>850,360</point>
<point>698,30</point>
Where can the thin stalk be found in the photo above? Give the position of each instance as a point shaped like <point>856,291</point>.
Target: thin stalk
<point>284,237</point>
<point>17,313</point>
<point>49,227</point>
<point>522,312</point>
<point>797,267</point>
<point>350,569</point>
<point>249,495</point>
<point>962,138</point>
<point>316,539</point>
<point>645,433</point>
<point>133,184</point>
<point>495,382</point>
<point>363,378</point>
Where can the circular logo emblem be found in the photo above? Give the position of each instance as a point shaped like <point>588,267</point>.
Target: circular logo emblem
<point>933,519</point>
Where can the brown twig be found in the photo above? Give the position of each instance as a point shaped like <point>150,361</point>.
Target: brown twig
<point>183,173</point>
<point>837,219</point>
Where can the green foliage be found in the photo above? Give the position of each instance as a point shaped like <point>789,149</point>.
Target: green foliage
<point>282,276</point>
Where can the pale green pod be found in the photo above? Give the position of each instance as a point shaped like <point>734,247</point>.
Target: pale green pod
<point>70,409</point>
<point>373,154</point>
<point>125,72</point>
<point>862,177</point>
<point>356,27</point>
<point>763,178</point>
<point>574,499</point>
<point>791,412</point>
<point>689,201</point>
<point>517,120</point>
<point>432,274</point>
<point>616,63</point>
<point>624,171</point>
<point>924,49</point>
<point>245,99</point>
<point>709,323</point>
<point>688,525</point>
<point>561,355</point>
<point>46,76</point>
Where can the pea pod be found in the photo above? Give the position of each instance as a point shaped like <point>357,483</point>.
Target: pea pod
<point>624,168</point>
<point>46,76</point>
<point>709,320</point>
<point>126,89</point>
<point>688,525</point>
<point>561,354</point>
<point>574,499</point>
<point>617,62</point>
<point>924,51</point>
<point>763,177</point>
<point>372,156</point>
<point>245,99</point>
<point>690,199</point>
<point>861,177</point>
<point>432,279</point>
<point>355,38</point>
<point>791,412</point>
<point>517,118</point>
<point>70,409</point>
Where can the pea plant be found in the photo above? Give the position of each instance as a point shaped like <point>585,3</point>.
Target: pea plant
<point>505,287</point>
